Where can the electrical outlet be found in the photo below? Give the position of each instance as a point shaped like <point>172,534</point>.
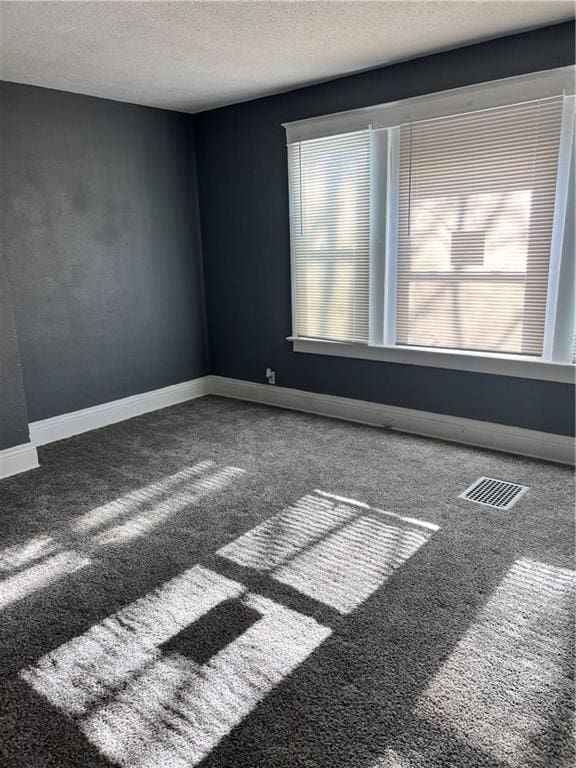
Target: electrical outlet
<point>270,375</point>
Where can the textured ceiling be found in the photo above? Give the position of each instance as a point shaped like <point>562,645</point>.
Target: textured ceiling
<point>192,56</point>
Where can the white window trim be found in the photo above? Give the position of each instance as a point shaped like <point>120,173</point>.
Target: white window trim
<point>391,251</point>
<point>554,312</point>
<point>478,362</point>
<point>549,367</point>
<point>469,98</point>
<point>379,202</point>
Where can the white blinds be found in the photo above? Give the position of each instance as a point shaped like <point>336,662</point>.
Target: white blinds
<point>330,236</point>
<point>476,208</point>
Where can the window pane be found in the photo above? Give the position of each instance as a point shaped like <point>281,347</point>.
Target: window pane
<point>476,211</point>
<point>330,236</point>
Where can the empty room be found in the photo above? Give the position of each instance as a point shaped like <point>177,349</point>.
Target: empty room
<point>287,384</point>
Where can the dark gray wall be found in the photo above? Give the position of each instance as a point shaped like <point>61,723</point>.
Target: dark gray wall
<point>13,415</point>
<point>99,210</point>
<point>243,187</point>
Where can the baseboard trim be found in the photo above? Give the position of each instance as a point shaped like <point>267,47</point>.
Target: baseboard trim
<point>77,422</point>
<point>19,458</point>
<point>481,434</point>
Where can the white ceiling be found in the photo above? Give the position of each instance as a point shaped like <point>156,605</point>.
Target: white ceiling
<point>194,55</point>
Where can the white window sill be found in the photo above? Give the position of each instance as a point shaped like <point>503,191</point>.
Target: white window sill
<point>478,362</point>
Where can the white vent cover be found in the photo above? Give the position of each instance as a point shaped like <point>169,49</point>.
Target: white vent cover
<point>494,493</point>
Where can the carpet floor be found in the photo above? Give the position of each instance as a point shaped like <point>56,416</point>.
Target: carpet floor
<point>226,585</point>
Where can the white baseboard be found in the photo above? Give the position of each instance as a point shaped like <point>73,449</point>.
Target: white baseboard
<point>18,459</point>
<point>77,422</point>
<point>482,434</point>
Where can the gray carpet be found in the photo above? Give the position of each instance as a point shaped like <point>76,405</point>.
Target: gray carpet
<point>222,584</point>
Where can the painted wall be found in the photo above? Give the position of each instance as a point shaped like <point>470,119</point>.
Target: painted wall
<point>13,414</point>
<point>243,188</point>
<point>100,219</point>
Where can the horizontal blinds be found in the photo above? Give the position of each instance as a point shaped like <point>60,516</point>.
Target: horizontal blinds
<point>330,236</point>
<point>476,209</point>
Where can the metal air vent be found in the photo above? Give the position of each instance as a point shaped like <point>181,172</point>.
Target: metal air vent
<point>499,494</point>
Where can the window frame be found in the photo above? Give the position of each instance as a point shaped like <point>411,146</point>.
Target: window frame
<point>555,364</point>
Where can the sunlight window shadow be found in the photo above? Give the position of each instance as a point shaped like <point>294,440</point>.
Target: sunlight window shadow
<point>44,559</point>
<point>279,538</point>
<point>346,567</point>
<point>393,759</point>
<point>139,523</point>
<point>334,550</point>
<point>42,574</point>
<point>144,708</point>
<point>95,518</point>
<point>508,667</point>
<point>19,555</point>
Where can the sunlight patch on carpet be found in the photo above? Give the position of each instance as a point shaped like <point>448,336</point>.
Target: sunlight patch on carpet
<point>20,555</point>
<point>499,688</point>
<point>42,574</point>
<point>279,538</point>
<point>44,559</point>
<point>346,567</point>
<point>96,518</point>
<point>145,708</point>
<point>141,522</point>
<point>392,759</point>
<point>331,549</point>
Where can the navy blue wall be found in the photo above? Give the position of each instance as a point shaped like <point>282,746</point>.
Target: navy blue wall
<point>243,191</point>
<point>100,228</point>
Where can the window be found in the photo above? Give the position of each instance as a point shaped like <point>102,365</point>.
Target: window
<point>331,235</point>
<point>437,231</point>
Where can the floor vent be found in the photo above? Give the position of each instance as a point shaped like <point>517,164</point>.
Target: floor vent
<point>494,493</point>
